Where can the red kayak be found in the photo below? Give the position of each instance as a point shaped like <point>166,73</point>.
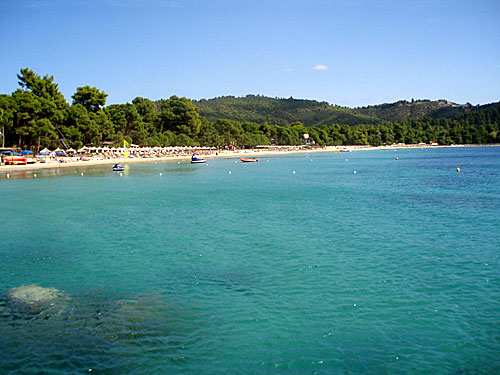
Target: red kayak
<point>249,160</point>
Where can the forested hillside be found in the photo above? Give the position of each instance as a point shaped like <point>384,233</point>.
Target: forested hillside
<point>256,108</point>
<point>419,109</point>
<point>37,115</point>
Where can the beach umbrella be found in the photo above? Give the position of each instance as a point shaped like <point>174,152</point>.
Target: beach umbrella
<point>70,151</point>
<point>26,152</point>
<point>82,150</point>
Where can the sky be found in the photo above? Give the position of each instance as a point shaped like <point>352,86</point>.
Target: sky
<point>350,53</point>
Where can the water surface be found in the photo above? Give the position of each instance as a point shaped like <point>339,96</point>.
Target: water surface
<point>393,269</point>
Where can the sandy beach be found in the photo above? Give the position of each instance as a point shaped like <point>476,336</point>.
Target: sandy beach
<point>101,159</point>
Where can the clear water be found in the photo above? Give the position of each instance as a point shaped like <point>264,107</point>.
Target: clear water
<point>394,269</point>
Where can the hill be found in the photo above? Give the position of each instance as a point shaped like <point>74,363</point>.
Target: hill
<point>280,111</point>
<point>259,109</point>
<point>418,109</point>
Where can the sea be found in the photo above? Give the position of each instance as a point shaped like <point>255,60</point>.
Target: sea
<point>364,262</point>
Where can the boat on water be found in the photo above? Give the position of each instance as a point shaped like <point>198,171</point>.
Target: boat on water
<point>249,160</point>
<point>118,167</point>
<point>196,160</point>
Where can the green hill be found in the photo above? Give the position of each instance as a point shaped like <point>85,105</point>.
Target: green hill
<point>259,109</point>
<point>418,109</point>
<point>280,111</point>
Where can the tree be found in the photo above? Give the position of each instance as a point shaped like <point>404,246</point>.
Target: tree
<point>6,115</point>
<point>181,116</point>
<point>27,112</point>
<point>38,99</point>
<point>43,128</point>
<point>146,108</point>
<point>90,97</point>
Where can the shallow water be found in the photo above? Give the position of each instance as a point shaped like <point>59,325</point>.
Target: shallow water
<point>394,269</point>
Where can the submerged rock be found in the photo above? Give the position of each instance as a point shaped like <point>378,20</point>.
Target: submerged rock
<point>32,299</point>
<point>30,294</point>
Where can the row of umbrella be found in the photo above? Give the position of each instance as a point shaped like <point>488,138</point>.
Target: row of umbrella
<point>134,149</point>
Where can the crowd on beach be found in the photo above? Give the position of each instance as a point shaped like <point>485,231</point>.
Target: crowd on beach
<point>104,155</point>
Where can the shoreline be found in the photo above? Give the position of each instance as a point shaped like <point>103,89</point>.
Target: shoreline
<point>76,162</point>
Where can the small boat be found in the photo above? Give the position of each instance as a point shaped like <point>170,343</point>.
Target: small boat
<point>195,160</point>
<point>249,160</point>
<point>118,168</point>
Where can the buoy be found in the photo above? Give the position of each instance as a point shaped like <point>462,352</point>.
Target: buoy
<point>311,160</point>
<point>293,172</point>
<point>346,159</point>
<point>229,172</point>
<point>8,175</point>
<point>34,175</point>
<point>121,174</point>
<point>81,174</point>
<point>397,158</point>
<point>267,161</point>
<point>355,172</point>
<point>161,174</point>
<point>235,161</point>
<point>178,162</point>
<point>458,170</point>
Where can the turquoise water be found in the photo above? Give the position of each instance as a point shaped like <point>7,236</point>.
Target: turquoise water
<point>392,270</point>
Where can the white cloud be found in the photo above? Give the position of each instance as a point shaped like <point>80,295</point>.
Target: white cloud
<point>288,70</point>
<point>320,67</point>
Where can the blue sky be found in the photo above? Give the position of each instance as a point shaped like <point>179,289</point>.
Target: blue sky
<point>350,53</point>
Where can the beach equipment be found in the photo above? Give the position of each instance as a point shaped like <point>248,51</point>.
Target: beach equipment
<point>13,158</point>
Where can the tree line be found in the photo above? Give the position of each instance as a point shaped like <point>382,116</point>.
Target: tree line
<point>37,115</point>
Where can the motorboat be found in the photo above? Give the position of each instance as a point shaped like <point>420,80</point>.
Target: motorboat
<point>196,160</point>
<point>249,160</point>
<point>118,167</point>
